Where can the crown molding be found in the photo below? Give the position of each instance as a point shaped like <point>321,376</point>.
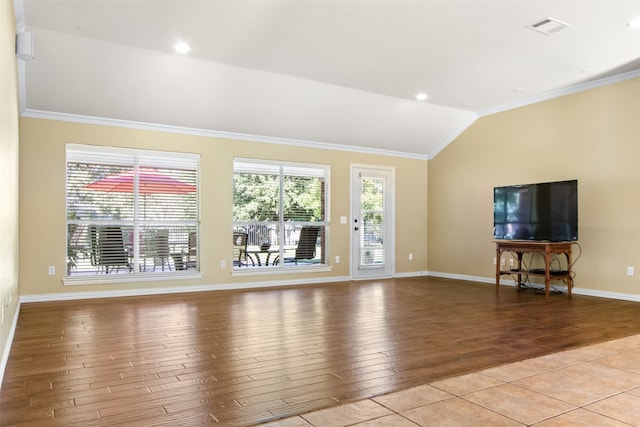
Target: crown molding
<point>26,112</point>
<point>102,121</point>
<point>130,124</point>
<point>561,92</point>
<point>463,126</point>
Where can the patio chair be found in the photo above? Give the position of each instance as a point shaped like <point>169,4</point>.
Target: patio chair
<point>192,252</point>
<point>155,246</point>
<point>161,249</point>
<point>107,248</point>
<point>306,248</point>
<point>240,256</point>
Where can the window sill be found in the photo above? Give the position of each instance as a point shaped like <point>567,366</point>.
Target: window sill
<point>130,278</point>
<point>271,271</point>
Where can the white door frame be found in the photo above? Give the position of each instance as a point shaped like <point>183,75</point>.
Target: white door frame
<point>388,269</point>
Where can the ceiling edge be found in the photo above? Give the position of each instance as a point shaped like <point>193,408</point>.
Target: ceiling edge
<point>463,126</point>
<point>129,124</point>
<point>533,100</point>
<point>561,92</point>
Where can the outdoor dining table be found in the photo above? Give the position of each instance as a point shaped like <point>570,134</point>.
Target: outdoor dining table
<point>259,252</point>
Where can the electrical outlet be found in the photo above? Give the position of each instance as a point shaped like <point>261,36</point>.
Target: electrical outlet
<point>52,270</point>
<point>503,262</point>
<point>495,260</point>
<point>511,262</point>
<point>337,259</point>
<point>410,257</point>
<point>630,271</point>
<point>223,264</point>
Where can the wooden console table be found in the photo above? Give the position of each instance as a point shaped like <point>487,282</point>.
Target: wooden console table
<point>546,249</point>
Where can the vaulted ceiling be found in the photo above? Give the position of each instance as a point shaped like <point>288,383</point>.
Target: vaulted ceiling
<point>322,73</point>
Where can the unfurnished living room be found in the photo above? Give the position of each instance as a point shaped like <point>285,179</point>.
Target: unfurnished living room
<point>319,213</point>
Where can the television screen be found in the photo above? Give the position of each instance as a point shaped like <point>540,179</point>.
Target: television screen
<point>545,211</point>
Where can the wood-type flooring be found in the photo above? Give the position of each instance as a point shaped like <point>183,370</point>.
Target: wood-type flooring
<point>248,356</point>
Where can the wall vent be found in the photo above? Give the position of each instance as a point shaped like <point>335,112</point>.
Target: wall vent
<point>548,26</point>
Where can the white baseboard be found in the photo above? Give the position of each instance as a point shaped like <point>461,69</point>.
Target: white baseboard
<point>466,277</point>
<point>607,294</point>
<point>410,274</point>
<point>508,282</point>
<point>7,347</point>
<point>69,296</point>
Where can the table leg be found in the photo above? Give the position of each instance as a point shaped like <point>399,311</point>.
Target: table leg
<point>520,255</point>
<point>547,273</point>
<point>498,256</point>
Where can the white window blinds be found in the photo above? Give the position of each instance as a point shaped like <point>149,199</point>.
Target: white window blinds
<point>131,211</point>
<point>279,214</point>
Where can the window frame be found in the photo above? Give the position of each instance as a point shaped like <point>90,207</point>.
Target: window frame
<point>251,165</point>
<point>136,159</point>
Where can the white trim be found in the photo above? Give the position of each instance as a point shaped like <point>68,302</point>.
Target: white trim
<point>465,277</point>
<point>607,294</point>
<point>129,278</point>
<point>130,124</point>
<point>101,121</point>
<point>272,271</point>
<point>409,274</point>
<point>507,282</point>
<point>267,166</point>
<point>390,199</point>
<point>463,126</point>
<point>7,348</point>
<point>87,153</point>
<point>70,296</point>
<point>561,92</point>
<point>533,100</point>
<point>380,277</point>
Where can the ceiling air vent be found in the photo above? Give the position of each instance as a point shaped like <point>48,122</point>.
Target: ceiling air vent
<point>548,26</point>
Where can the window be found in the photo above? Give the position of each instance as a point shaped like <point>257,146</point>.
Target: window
<point>130,212</point>
<point>279,215</point>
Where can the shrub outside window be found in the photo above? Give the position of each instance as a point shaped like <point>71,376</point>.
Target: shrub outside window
<point>279,215</point>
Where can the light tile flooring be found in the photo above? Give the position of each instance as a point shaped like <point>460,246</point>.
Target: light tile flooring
<point>597,385</point>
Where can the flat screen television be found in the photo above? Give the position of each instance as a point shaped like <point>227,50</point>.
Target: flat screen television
<point>546,211</point>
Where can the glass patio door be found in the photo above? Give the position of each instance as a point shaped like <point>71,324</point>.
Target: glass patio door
<point>372,238</point>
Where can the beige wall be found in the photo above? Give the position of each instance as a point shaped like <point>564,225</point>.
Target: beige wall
<point>8,177</point>
<point>42,200</point>
<point>592,136</point>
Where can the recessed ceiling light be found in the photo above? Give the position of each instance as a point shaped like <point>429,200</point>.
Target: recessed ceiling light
<point>634,23</point>
<point>182,48</point>
<point>421,96</point>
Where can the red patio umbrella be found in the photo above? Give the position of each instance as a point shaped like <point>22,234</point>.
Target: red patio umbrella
<point>150,181</point>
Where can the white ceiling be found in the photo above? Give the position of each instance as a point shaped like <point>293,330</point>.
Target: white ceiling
<point>341,73</point>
